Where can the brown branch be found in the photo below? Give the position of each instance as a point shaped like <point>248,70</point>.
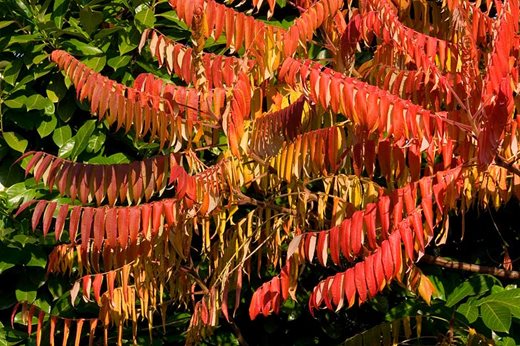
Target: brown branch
<point>475,268</point>
<point>243,199</point>
<point>238,334</point>
<point>500,161</point>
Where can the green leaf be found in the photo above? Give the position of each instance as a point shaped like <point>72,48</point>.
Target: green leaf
<point>11,72</point>
<point>95,142</point>
<point>24,39</point>
<point>58,10</point>
<point>5,23</point>
<point>112,159</point>
<point>38,257</point>
<point>19,193</point>
<point>4,266</point>
<point>119,61</point>
<point>507,341</point>
<point>496,317</point>
<point>145,17</point>
<point>56,90</point>
<point>15,141</point>
<point>25,295</point>
<point>89,19</point>
<point>106,32</point>
<point>469,310</point>
<point>39,58</point>
<point>39,102</point>
<point>507,298</point>
<point>47,126</point>
<point>82,47</point>
<point>281,3</point>
<point>502,296</point>
<point>82,137</point>
<point>17,102</point>
<point>67,148</point>
<point>61,135</point>
<point>475,285</point>
<point>128,41</point>
<point>96,63</point>
<point>66,108</point>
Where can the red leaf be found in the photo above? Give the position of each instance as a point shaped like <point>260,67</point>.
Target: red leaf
<point>86,282</point>
<point>322,252</point>
<point>74,222</point>
<point>426,202</point>
<point>224,305</point>
<point>417,226</point>
<point>32,162</point>
<point>41,315</point>
<point>134,223</point>
<point>310,246</point>
<point>47,217</point>
<point>92,332</point>
<point>122,226</point>
<point>349,286</point>
<point>395,248</point>
<point>24,206</point>
<point>96,286</point>
<point>378,269</point>
<point>99,228</point>
<point>383,207</point>
<point>275,292</point>
<point>370,276</point>
<point>146,215</point>
<point>86,227</point>
<point>356,233</point>
<point>13,313</point>
<point>30,318</point>
<point>345,239</point>
<point>60,220</point>
<point>254,305</point>
<point>327,295</point>
<point>285,280</point>
<point>360,282</point>
<point>37,213</point>
<point>387,260</point>
<point>52,332</point>
<point>79,327</point>
<point>42,167</point>
<point>157,217</point>
<point>407,238</point>
<point>370,222</point>
<point>334,244</point>
<point>337,291</point>
<point>111,226</point>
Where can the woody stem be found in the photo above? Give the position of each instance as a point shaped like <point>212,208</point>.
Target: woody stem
<point>475,268</point>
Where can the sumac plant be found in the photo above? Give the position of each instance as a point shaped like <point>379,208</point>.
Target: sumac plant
<point>268,159</point>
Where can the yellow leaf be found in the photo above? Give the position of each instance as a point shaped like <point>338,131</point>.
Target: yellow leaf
<point>426,289</point>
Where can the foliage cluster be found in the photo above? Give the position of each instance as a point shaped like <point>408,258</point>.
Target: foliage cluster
<point>247,158</point>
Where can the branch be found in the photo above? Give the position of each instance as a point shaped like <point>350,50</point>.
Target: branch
<point>240,337</point>
<point>243,199</point>
<point>475,268</point>
<point>500,161</point>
